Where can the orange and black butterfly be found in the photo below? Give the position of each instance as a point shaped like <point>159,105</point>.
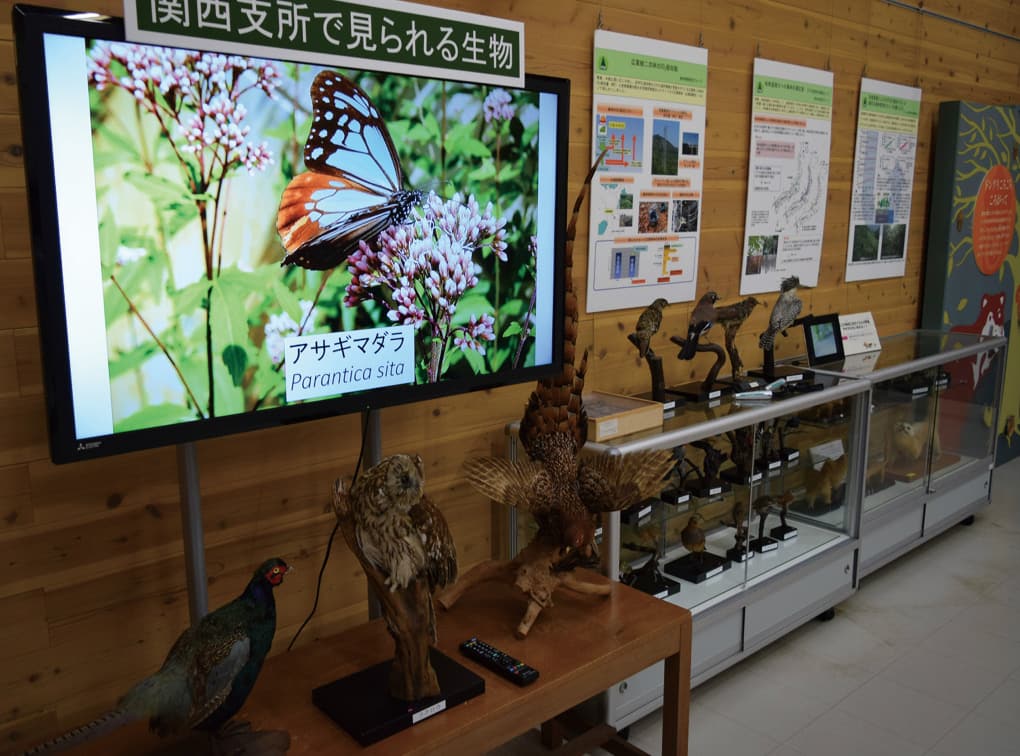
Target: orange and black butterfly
<point>353,187</point>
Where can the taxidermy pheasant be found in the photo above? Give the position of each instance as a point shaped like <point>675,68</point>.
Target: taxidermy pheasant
<point>207,675</point>
<point>784,312</point>
<point>565,493</point>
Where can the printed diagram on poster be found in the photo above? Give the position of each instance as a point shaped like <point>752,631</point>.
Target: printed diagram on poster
<point>649,110</point>
<point>791,130</point>
<point>887,120</point>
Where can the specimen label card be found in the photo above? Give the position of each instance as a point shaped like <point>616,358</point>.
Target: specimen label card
<point>788,175</point>
<point>887,119</point>
<point>649,111</point>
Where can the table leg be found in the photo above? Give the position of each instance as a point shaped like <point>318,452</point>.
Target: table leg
<point>676,701</point>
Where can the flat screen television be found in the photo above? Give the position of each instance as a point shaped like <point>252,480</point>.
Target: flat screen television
<point>225,243</point>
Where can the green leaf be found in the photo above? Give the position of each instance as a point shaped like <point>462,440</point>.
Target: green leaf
<point>475,360</point>
<point>236,360</point>
<point>156,415</point>
<point>473,148</point>
<point>286,299</point>
<point>512,329</point>
<point>161,191</point>
<point>125,362</point>
<point>190,298</point>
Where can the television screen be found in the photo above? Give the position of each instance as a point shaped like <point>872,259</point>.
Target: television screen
<point>224,243</point>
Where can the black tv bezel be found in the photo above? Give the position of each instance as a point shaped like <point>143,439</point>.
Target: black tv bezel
<point>814,359</point>
<point>30,24</point>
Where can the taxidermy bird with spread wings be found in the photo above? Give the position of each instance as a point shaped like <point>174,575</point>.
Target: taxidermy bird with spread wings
<point>565,493</point>
<point>208,673</point>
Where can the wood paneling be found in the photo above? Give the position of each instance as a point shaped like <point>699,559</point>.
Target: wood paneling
<point>94,577</point>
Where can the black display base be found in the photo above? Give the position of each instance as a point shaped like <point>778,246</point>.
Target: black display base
<point>783,532</point>
<point>733,475</point>
<point>792,373</point>
<point>707,491</point>
<point>744,383</point>
<point>737,554</point>
<point>671,402</point>
<point>653,584</point>
<point>675,496</point>
<point>696,568</point>
<point>361,703</point>
<point>696,392</point>
<point>762,545</point>
<point>772,465</point>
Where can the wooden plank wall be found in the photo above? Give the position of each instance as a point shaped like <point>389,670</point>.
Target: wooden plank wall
<point>92,592</point>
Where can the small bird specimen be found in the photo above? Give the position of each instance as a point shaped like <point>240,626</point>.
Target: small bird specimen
<point>647,326</point>
<point>784,312</point>
<point>761,506</point>
<point>692,536</point>
<point>703,317</point>
<point>731,318</point>
<point>404,544</point>
<point>739,515</point>
<point>207,675</point>
<point>909,440</point>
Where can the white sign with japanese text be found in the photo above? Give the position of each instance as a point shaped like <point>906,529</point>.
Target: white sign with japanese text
<point>328,364</point>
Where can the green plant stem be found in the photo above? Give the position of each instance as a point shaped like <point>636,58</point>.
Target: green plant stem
<point>524,331</point>
<point>160,344</point>
<point>209,350</point>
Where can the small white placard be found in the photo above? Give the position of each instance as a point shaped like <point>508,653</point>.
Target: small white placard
<point>714,394</point>
<point>795,454</point>
<point>609,427</point>
<point>859,334</point>
<point>598,532</point>
<point>774,465</point>
<point>714,490</point>
<point>771,546</point>
<point>795,378</point>
<point>328,364</point>
<point>713,572</point>
<point>829,450</point>
<point>427,712</point>
<point>755,477</point>
<point>644,511</point>
<point>714,403</point>
<point>662,594</point>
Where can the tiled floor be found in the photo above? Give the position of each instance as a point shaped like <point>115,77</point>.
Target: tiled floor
<point>923,659</point>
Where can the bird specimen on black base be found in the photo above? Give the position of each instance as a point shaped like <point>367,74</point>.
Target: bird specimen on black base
<point>404,544</point>
<point>784,312</point>
<point>693,537</point>
<point>565,493</point>
<point>647,326</point>
<point>703,317</point>
<point>731,318</point>
<point>207,675</point>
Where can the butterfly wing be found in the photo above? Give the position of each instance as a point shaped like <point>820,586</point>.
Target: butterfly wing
<point>353,188</point>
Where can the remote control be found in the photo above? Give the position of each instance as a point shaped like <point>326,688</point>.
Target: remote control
<point>503,664</point>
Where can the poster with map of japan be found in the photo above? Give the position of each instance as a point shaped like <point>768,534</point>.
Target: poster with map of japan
<point>788,175</point>
<point>649,118</point>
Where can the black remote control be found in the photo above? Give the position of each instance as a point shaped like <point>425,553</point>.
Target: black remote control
<point>503,664</point>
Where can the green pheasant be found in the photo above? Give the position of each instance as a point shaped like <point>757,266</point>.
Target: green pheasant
<point>208,673</point>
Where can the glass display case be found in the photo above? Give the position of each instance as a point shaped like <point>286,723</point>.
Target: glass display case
<point>755,529</point>
<point>932,436</point>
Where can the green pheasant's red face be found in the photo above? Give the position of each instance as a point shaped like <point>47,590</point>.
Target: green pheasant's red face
<point>275,573</point>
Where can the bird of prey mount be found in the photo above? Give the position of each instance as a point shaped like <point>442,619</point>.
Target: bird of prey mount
<point>565,493</point>
<point>204,681</point>
<point>404,545</point>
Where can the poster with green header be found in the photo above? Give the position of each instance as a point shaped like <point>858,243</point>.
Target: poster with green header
<point>788,176</point>
<point>887,119</point>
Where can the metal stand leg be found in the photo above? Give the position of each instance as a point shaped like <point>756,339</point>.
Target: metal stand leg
<point>191,530</point>
<point>373,456</point>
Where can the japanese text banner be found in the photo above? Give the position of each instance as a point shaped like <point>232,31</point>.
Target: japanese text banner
<point>389,35</point>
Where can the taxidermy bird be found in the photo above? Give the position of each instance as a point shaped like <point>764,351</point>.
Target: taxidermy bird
<point>207,675</point>
<point>397,528</point>
<point>703,317</point>
<point>647,326</point>
<point>564,492</point>
<point>784,312</point>
<point>692,536</point>
<point>731,318</point>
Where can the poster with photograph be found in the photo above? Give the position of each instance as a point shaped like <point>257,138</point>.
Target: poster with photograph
<point>887,119</point>
<point>791,130</point>
<point>649,111</point>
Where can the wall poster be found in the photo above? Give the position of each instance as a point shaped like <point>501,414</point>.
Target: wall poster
<point>788,177</point>
<point>887,119</point>
<point>649,110</point>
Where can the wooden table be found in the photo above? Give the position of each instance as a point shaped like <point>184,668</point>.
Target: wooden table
<point>580,646</point>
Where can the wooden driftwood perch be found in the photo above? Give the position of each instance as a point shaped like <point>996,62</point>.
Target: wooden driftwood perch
<point>408,614</point>
<point>720,359</point>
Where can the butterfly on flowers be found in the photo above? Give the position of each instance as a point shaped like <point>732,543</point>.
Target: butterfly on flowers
<point>354,186</point>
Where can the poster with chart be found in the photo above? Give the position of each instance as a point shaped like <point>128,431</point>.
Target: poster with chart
<point>788,176</point>
<point>884,157</point>
<point>649,113</point>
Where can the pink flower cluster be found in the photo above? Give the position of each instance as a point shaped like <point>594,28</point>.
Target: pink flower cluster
<point>194,95</point>
<point>497,106</point>
<point>427,266</point>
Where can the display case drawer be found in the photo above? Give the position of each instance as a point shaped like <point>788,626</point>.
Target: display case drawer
<point>885,536</point>
<point>785,606</point>
<point>635,692</point>
<point>944,510</point>
<point>715,640</point>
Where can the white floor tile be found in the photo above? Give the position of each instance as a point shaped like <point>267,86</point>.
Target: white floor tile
<point>714,734</point>
<point>951,678</point>
<point>979,735</point>
<point>836,733</point>
<point>1003,705</point>
<point>909,714</point>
